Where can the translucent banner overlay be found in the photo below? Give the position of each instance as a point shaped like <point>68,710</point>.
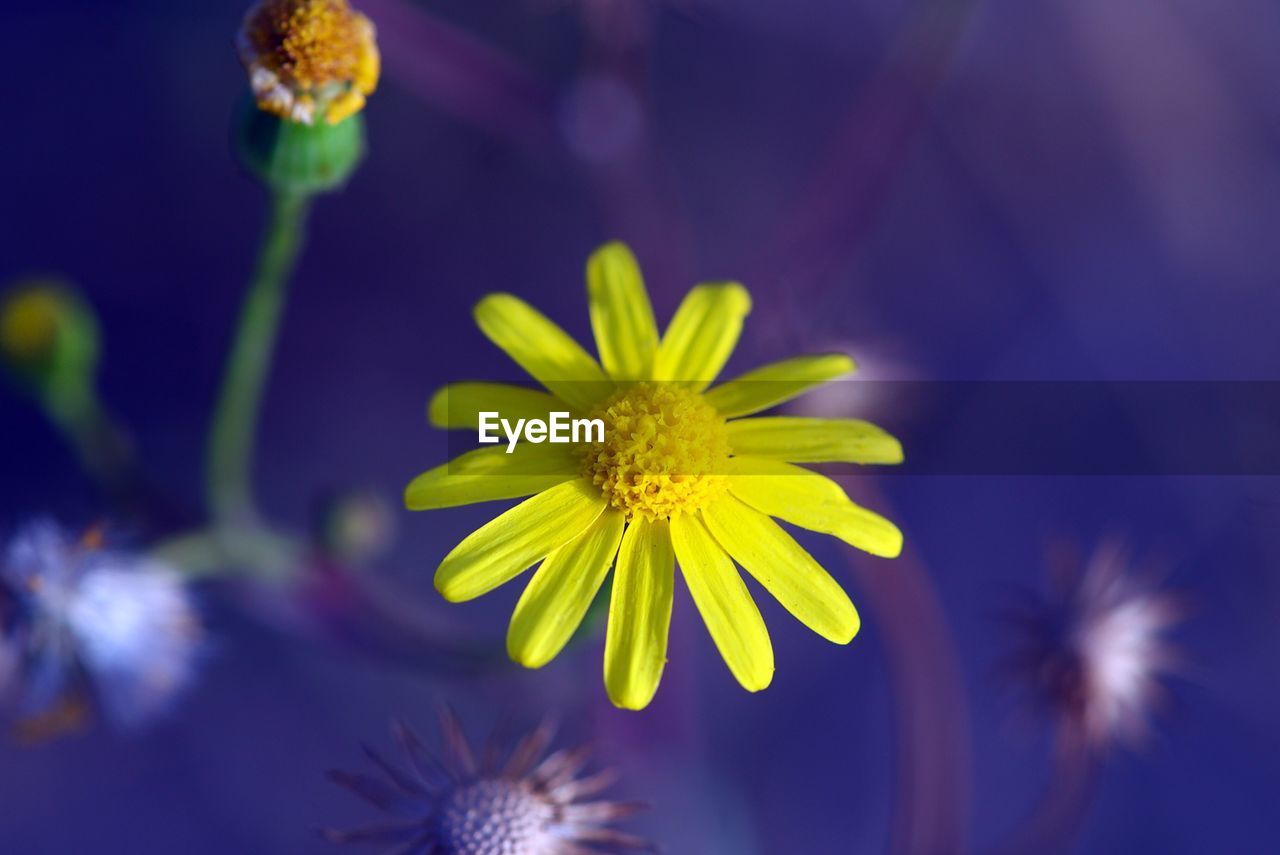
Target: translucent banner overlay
<point>945,428</point>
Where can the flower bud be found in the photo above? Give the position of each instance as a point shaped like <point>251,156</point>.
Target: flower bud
<point>292,157</point>
<point>48,336</point>
<point>311,65</point>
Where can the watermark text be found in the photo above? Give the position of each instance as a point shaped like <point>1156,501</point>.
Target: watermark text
<point>558,427</point>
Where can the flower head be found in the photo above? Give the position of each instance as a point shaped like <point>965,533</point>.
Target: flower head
<point>81,617</point>
<point>47,333</point>
<point>1093,653</point>
<point>309,60</point>
<point>680,476</point>
<point>531,804</point>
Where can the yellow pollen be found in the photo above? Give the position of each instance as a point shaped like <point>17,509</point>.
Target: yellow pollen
<point>665,451</point>
<point>310,58</point>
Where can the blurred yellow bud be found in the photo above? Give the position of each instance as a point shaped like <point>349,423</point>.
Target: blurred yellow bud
<point>47,333</point>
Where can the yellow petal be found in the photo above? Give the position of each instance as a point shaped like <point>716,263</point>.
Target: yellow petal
<point>726,606</point>
<point>626,333</point>
<point>487,474</point>
<point>801,440</point>
<point>561,591</point>
<point>772,384</point>
<point>812,501</point>
<point>515,541</point>
<point>544,350</point>
<point>784,568</point>
<point>459,405</point>
<point>702,334</point>
<point>635,646</point>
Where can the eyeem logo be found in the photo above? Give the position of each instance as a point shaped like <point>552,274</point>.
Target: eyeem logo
<point>560,429</point>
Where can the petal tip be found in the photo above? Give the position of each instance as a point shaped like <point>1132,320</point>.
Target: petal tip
<point>742,297</point>
<point>448,588</point>
<point>842,365</point>
<point>527,659</point>
<point>629,696</point>
<point>759,682</point>
<point>630,704</point>
<point>411,502</point>
<point>438,408</point>
<point>615,248</point>
<point>491,302</point>
<point>847,633</point>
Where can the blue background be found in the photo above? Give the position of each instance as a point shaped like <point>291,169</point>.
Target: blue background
<point>1079,190</point>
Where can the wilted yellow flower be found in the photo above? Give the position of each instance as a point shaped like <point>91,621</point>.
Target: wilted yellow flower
<point>678,476</point>
<point>309,60</point>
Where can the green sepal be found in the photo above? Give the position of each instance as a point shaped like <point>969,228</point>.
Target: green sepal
<point>291,157</point>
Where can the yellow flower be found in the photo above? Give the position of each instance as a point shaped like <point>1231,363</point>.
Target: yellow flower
<point>681,477</point>
<point>309,59</point>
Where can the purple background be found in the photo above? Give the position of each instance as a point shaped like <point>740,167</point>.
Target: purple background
<point>1076,189</point>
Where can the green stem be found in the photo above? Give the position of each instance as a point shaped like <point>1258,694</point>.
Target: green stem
<point>210,552</point>
<point>235,421</point>
<point>96,436</point>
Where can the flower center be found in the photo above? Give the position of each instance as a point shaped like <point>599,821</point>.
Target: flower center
<point>493,817</point>
<point>315,41</point>
<point>665,451</point>
<point>309,58</point>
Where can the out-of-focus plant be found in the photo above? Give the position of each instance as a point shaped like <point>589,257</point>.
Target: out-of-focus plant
<point>525,800</point>
<point>1093,653</point>
<point>311,64</point>
<point>83,624</point>
<point>1092,656</point>
<point>354,527</point>
<point>50,343</point>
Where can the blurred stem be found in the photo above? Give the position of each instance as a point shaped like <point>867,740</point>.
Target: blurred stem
<point>209,552</point>
<point>230,456</point>
<point>1054,823</point>
<point>931,716</point>
<point>98,440</point>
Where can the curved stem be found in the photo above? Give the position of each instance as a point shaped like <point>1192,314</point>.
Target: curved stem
<point>931,806</point>
<point>235,421</point>
<point>257,552</point>
<point>97,438</point>
<point>1055,822</point>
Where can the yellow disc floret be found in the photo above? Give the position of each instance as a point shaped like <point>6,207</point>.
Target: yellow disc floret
<point>665,451</point>
<point>309,60</point>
